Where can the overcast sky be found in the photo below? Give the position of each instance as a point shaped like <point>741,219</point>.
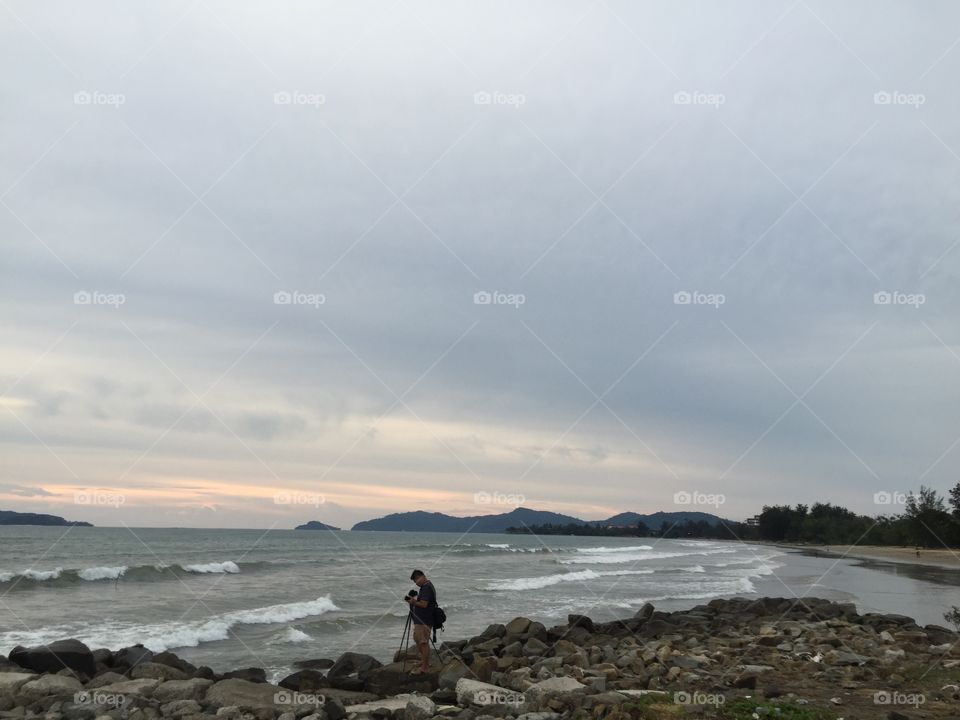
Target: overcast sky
<point>682,215</point>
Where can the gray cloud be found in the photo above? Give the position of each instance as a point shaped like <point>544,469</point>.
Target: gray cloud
<point>778,155</point>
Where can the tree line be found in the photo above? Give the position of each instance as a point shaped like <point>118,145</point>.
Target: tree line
<point>927,520</point>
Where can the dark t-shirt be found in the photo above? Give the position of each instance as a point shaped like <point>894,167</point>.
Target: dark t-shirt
<point>424,616</point>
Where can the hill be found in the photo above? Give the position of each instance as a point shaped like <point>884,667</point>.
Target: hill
<point>315,525</point>
<point>11,517</point>
<point>420,521</point>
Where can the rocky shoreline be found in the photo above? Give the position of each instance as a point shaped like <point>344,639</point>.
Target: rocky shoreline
<point>808,659</point>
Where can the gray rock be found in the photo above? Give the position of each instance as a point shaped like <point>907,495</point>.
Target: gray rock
<point>316,664</point>
<point>10,682</point>
<point>179,708</point>
<point>156,671</point>
<point>517,626</point>
<point>304,681</point>
<point>56,656</point>
<point>182,690</point>
<point>243,693</point>
<point>353,663</point>
<point>49,685</point>
<point>419,708</point>
<point>137,688</point>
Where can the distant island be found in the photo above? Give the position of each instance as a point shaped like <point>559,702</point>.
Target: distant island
<point>315,525</point>
<point>11,517</point>
<point>520,518</point>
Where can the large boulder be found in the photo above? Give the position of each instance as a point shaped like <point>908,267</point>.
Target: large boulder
<point>305,681</point>
<point>169,658</point>
<point>156,671</point>
<point>396,678</point>
<point>314,664</point>
<point>131,656</point>
<point>351,663</point>
<point>139,688</point>
<point>173,690</point>
<point>49,685</point>
<point>419,708</point>
<point>52,658</point>
<point>245,694</point>
<point>10,682</point>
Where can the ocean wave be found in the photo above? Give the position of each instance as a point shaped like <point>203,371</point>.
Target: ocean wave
<point>214,567</point>
<point>534,583</point>
<point>629,555</point>
<point>498,546</point>
<point>626,548</point>
<point>59,576</point>
<point>704,590</point>
<point>291,635</point>
<point>167,636</point>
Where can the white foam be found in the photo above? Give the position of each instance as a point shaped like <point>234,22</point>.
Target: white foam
<point>41,575</point>
<point>693,569</point>
<point>167,636</point>
<point>102,573</point>
<point>534,583</point>
<point>293,635</point>
<point>499,546</point>
<point>626,548</point>
<point>214,567</point>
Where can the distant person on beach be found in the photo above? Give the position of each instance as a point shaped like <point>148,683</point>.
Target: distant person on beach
<point>421,608</point>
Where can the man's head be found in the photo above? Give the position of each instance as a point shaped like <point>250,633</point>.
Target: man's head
<point>418,577</point>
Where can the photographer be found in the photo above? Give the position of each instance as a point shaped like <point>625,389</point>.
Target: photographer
<point>421,611</point>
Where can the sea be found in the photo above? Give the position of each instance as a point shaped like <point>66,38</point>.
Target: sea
<point>233,599</point>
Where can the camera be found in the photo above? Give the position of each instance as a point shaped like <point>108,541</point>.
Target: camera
<point>412,594</point>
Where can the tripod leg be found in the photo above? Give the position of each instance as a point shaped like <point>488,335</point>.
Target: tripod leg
<point>404,643</point>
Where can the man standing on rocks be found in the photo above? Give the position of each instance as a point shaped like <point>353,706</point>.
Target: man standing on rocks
<point>421,609</point>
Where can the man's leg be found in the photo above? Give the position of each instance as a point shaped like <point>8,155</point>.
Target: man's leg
<point>421,635</point>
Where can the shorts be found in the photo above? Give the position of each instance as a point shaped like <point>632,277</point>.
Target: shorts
<point>421,633</point>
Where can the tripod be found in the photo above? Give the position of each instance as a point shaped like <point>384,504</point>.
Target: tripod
<point>405,640</point>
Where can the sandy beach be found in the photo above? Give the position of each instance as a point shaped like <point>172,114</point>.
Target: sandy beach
<point>932,557</point>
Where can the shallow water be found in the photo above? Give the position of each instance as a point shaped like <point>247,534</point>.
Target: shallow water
<point>236,598</point>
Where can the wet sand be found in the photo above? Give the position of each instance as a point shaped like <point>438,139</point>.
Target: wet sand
<point>942,558</point>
